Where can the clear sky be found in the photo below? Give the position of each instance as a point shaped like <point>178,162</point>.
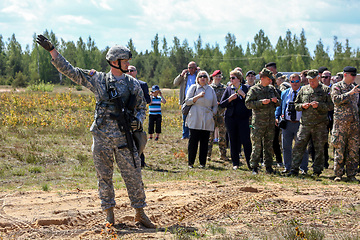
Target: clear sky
<point>110,22</point>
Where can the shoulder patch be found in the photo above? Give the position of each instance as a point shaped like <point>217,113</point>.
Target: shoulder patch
<point>92,72</point>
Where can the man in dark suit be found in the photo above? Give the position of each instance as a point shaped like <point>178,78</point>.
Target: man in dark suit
<point>145,88</point>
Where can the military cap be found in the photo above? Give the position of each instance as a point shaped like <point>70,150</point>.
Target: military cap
<point>251,72</point>
<point>340,74</point>
<point>312,74</point>
<point>216,72</point>
<point>270,64</point>
<point>118,52</point>
<point>350,69</point>
<point>322,69</point>
<point>279,74</point>
<point>267,73</point>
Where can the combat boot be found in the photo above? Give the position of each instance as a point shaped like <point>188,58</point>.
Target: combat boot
<point>110,215</point>
<point>141,217</point>
<point>353,179</point>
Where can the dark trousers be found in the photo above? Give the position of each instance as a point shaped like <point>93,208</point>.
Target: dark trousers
<point>239,134</point>
<point>154,120</point>
<point>195,137</point>
<point>276,145</point>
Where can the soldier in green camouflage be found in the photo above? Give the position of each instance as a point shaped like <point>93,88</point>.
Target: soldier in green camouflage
<point>314,101</point>
<point>345,133</point>
<point>263,99</point>
<point>219,89</point>
<point>107,137</point>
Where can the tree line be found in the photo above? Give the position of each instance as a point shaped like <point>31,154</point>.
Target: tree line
<point>161,64</point>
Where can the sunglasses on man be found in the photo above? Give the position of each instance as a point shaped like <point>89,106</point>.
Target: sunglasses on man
<point>325,77</point>
<point>296,81</point>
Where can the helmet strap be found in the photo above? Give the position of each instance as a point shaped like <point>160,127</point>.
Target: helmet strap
<point>119,67</point>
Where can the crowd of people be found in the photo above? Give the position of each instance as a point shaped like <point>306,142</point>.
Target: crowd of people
<point>299,111</point>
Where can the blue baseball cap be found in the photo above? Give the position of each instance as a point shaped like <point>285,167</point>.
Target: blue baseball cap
<point>155,88</point>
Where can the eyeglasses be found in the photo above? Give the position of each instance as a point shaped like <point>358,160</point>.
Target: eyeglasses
<point>191,68</point>
<point>353,74</point>
<point>132,70</point>
<point>202,76</point>
<point>325,77</point>
<point>220,76</point>
<point>296,81</point>
<point>232,78</point>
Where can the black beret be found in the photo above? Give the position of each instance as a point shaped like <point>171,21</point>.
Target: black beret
<point>350,69</point>
<point>270,64</point>
<point>322,69</point>
<point>251,72</point>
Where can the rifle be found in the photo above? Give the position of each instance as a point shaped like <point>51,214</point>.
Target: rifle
<point>123,121</point>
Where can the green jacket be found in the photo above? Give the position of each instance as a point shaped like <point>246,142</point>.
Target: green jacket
<point>313,116</point>
<point>262,114</point>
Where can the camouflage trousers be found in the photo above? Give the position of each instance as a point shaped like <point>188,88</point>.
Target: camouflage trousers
<point>319,136</point>
<point>220,123</point>
<point>104,152</point>
<point>262,137</point>
<point>345,139</point>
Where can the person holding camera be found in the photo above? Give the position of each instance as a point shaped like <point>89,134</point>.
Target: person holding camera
<point>185,79</point>
<point>345,133</point>
<point>314,101</point>
<point>288,119</point>
<point>110,143</point>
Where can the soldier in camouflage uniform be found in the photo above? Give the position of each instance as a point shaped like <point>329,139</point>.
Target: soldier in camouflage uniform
<point>345,133</point>
<point>106,133</point>
<point>263,99</point>
<point>219,89</point>
<point>314,101</point>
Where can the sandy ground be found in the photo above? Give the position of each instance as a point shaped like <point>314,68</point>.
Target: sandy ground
<point>243,209</point>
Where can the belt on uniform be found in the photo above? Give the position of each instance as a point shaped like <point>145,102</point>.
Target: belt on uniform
<point>293,121</point>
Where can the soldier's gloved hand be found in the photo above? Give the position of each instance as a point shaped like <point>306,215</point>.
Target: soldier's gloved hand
<point>44,42</point>
<point>136,125</point>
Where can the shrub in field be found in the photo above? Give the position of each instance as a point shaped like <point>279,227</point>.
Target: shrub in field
<point>41,87</point>
<point>20,80</point>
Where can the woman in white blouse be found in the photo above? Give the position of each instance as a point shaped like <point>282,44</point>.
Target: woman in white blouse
<point>200,119</point>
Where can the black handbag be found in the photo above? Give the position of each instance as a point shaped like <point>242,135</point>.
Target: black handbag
<point>186,108</point>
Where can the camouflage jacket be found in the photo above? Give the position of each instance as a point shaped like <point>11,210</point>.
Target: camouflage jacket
<point>262,114</point>
<point>219,91</point>
<point>96,82</point>
<point>345,105</point>
<point>313,116</point>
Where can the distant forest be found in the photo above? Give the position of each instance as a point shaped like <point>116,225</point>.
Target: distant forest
<point>161,64</point>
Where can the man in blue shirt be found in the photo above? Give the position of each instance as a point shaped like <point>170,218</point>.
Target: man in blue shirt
<point>287,112</point>
<point>185,80</point>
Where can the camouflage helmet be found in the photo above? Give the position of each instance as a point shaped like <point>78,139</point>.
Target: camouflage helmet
<point>118,52</point>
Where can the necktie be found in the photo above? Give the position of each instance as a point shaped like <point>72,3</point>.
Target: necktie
<point>294,98</point>
<point>292,108</point>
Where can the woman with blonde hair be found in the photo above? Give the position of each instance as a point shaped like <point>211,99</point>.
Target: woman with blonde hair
<point>200,119</point>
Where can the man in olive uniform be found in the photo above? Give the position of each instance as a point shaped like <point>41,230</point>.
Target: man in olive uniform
<point>314,101</point>
<point>263,99</point>
<point>107,136</point>
<point>219,89</point>
<point>345,133</point>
